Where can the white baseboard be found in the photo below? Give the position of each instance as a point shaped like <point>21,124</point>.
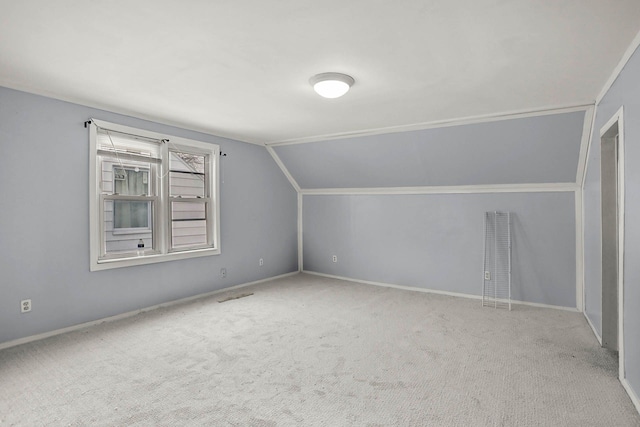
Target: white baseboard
<point>391,285</point>
<point>625,384</point>
<point>434,291</point>
<point>44,335</point>
<point>537,304</point>
<point>632,394</point>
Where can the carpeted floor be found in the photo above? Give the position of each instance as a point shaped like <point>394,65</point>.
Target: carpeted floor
<point>310,351</point>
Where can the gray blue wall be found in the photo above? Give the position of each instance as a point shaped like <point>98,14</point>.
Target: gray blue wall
<point>624,92</point>
<point>435,241</point>
<point>44,222</point>
<point>542,149</point>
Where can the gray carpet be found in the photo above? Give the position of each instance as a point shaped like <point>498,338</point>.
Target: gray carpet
<point>310,351</point>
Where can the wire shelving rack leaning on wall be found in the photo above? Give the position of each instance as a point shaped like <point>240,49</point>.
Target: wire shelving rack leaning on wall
<point>496,287</point>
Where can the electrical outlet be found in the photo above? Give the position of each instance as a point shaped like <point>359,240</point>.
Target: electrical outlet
<point>261,262</point>
<point>223,272</point>
<point>25,305</point>
<point>487,275</point>
<point>335,258</point>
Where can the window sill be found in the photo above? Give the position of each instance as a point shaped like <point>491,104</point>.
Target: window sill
<point>121,231</point>
<point>107,264</point>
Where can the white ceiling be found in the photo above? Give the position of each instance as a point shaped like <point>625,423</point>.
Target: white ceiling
<point>241,68</point>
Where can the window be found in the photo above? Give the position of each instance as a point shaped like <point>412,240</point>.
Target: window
<point>131,216</point>
<point>153,197</point>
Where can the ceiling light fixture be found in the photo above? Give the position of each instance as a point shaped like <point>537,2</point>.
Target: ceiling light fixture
<point>331,85</point>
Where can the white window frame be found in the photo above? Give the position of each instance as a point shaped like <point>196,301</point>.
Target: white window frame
<point>161,218</point>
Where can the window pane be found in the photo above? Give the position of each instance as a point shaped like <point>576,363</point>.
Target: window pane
<point>118,242</point>
<point>187,174</point>
<point>187,162</point>
<point>188,233</point>
<point>186,185</point>
<point>131,181</point>
<point>188,225</point>
<point>185,211</point>
<point>131,214</point>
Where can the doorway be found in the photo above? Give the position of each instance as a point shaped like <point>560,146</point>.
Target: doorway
<point>612,199</point>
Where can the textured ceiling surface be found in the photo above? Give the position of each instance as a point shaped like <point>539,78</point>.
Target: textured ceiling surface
<point>241,68</point>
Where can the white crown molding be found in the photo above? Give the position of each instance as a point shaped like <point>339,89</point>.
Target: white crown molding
<point>516,114</point>
<point>284,169</point>
<point>456,189</point>
<point>44,335</point>
<point>635,43</point>
<point>130,113</point>
<point>587,129</point>
<point>434,291</point>
<point>581,179</point>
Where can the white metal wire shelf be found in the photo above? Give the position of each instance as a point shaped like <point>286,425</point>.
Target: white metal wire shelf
<point>496,287</point>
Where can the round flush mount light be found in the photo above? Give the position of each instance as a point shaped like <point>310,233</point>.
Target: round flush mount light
<point>331,85</point>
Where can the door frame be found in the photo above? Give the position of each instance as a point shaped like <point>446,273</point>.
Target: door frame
<point>618,118</point>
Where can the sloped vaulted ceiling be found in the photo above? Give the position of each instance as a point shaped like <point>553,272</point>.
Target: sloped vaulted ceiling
<point>241,68</point>
<point>533,150</point>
